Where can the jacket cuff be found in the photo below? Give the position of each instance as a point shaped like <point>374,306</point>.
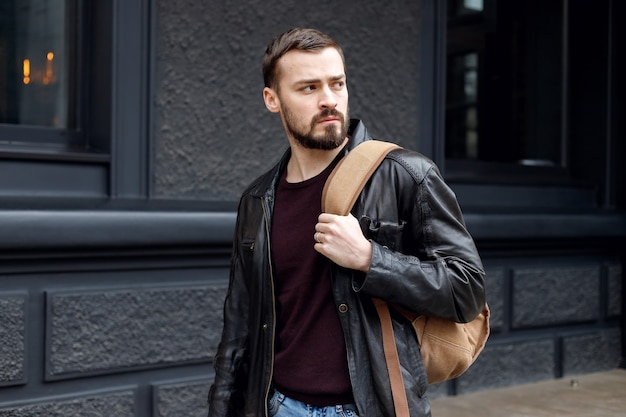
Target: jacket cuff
<point>359,278</point>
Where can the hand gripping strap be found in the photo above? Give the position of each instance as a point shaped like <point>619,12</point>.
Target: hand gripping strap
<point>350,175</point>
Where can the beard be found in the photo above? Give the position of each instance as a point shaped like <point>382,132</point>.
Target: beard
<point>332,137</point>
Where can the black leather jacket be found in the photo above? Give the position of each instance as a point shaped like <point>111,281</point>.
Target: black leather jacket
<point>423,259</point>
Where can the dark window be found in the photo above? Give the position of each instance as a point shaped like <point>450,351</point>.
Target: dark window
<point>505,104</point>
<point>38,83</point>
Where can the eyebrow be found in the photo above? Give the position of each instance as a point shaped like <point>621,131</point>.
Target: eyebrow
<point>317,80</point>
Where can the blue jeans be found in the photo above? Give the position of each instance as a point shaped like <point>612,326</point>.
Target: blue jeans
<point>281,406</point>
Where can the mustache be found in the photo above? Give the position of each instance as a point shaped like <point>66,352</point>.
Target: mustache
<point>328,113</point>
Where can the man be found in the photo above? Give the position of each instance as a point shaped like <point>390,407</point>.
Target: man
<point>301,336</point>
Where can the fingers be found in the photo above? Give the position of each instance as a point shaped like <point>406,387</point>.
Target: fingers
<point>341,240</point>
<point>327,217</point>
<point>326,223</point>
<point>330,226</point>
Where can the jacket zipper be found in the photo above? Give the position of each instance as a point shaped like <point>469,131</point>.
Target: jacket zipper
<point>273,324</point>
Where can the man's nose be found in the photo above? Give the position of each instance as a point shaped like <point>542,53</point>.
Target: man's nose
<point>328,99</point>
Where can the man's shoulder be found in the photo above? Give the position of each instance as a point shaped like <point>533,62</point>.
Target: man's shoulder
<point>261,183</point>
<point>410,155</point>
<point>410,158</point>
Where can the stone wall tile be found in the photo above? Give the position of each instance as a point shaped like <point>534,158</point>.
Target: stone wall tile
<point>599,351</point>
<point>187,399</point>
<point>495,298</point>
<point>12,338</point>
<point>553,296</point>
<point>104,331</point>
<point>502,365</point>
<point>120,404</point>
<point>614,297</point>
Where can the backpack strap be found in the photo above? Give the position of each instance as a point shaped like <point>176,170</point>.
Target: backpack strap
<point>350,175</point>
<point>400,401</point>
<point>339,195</point>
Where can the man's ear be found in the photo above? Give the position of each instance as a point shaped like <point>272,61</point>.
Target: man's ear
<point>271,100</point>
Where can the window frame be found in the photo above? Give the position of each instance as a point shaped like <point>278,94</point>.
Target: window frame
<point>110,142</point>
<point>579,187</point>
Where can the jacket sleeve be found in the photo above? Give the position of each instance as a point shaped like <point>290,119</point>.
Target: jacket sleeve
<point>226,393</point>
<point>436,269</point>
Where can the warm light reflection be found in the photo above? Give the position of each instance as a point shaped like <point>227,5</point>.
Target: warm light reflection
<point>43,76</point>
<point>48,76</point>
<point>26,71</point>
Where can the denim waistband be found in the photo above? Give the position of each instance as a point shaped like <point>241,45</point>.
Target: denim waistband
<point>338,407</point>
<point>351,407</point>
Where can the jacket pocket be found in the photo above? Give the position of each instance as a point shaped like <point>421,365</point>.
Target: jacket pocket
<point>246,249</point>
<point>388,234</point>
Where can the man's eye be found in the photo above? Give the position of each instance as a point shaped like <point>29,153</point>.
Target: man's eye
<point>339,84</point>
<point>308,88</point>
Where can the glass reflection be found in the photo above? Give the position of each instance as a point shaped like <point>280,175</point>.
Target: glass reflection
<point>34,62</point>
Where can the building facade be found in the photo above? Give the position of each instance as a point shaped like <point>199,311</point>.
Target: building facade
<point>128,129</point>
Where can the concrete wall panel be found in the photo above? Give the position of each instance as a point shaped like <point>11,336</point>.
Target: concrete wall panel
<point>183,398</point>
<point>13,338</point>
<point>119,404</point>
<point>108,330</point>
<point>553,295</point>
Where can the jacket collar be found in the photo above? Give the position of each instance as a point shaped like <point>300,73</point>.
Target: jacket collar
<point>358,133</point>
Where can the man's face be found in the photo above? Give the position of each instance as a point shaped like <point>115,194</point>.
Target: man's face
<point>313,98</point>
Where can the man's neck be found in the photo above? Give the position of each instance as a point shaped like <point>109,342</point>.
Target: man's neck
<point>306,163</point>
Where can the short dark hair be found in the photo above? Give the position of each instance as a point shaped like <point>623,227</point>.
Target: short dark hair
<point>299,39</point>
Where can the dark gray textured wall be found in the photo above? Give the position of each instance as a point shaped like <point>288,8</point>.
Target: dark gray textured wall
<point>129,335</point>
<point>547,320</point>
<point>12,338</point>
<point>181,399</point>
<point>130,328</point>
<point>135,337</point>
<point>211,132</point>
<point>118,404</point>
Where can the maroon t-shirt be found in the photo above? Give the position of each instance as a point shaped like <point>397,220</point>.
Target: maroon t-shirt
<point>310,354</point>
